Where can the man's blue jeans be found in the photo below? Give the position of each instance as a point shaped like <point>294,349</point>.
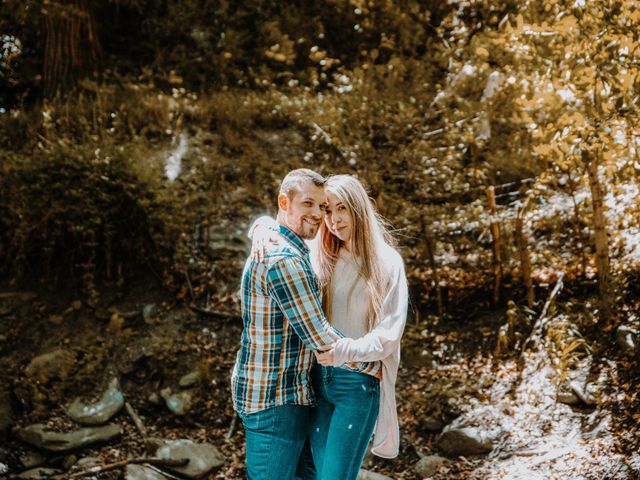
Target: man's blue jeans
<point>342,423</point>
<point>274,440</point>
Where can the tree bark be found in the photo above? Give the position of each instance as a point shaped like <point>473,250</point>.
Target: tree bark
<point>71,45</point>
<point>430,250</point>
<point>525,260</point>
<point>601,240</point>
<point>497,243</point>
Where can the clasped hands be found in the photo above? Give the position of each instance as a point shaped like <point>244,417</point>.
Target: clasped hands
<point>326,355</point>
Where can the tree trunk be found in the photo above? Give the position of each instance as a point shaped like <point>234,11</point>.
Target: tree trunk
<point>430,250</point>
<point>71,45</point>
<point>600,231</point>
<point>525,260</point>
<point>497,244</point>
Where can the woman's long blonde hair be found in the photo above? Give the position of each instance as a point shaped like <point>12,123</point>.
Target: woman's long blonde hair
<point>369,236</point>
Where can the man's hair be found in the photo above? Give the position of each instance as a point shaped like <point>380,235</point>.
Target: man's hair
<point>292,182</point>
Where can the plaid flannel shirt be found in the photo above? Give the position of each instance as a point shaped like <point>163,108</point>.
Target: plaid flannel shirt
<point>283,323</point>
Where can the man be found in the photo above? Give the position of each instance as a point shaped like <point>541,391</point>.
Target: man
<point>283,325</point>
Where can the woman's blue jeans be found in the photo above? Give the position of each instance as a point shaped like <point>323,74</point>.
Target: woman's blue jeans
<point>342,423</point>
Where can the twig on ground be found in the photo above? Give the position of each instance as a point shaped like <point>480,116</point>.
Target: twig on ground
<point>541,322</point>
<point>232,428</point>
<point>136,420</point>
<point>215,313</point>
<point>186,275</point>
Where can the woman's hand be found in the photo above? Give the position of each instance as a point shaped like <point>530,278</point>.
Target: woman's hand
<point>325,355</point>
<point>262,237</point>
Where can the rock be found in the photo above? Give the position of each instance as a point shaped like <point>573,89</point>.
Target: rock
<point>583,392</point>
<point>190,379</point>
<point>57,364</point>
<point>38,436</point>
<point>369,475</point>
<point>140,472</point>
<point>428,466</point>
<point>464,441</point>
<point>111,403</point>
<point>154,398</point>
<point>627,339</point>
<point>568,398</point>
<point>6,412</point>
<point>32,459</point>
<point>431,424</point>
<point>38,473</point>
<point>69,461</point>
<point>149,311</point>
<point>4,468</point>
<point>88,462</point>
<point>179,403</point>
<point>203,457</point>
<point>56,319</point>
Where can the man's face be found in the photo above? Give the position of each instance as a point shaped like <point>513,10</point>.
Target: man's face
<point>304,209</point>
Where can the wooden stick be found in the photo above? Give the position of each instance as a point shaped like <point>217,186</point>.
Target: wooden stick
<point>232,428</point>
<point>497,244</point>
<point>136,420</point>
<point>525,260</point>
<point>538,328</point>
<point>123,463</point>
<point>186,275</point>
<point>215,313</point>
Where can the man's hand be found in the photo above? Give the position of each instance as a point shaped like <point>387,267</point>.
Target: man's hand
<point>325,355</point>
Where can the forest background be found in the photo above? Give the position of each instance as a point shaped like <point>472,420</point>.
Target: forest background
<point>139,139</point>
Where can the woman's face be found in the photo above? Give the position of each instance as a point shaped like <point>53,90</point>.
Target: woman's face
<point>338,218</point>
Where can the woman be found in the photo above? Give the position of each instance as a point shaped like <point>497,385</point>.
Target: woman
<point>364,297</point>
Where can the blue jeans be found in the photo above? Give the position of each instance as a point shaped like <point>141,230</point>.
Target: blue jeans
<point>342,423</point>
<point>274,439</point>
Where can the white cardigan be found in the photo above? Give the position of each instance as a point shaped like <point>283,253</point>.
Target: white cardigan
<point>383,343</point>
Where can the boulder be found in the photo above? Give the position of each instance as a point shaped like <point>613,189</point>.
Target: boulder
<point>57,364</point>
<point>429,465</point>
<point>203,457</point>
<point>369,475</point>
<point>568,398</point>
<point>38,436</point>
<point>464,441</point>
<point>111,403</point>
<point>179,403</point>
<point>190,379</point>
<point>627,339</point>
<point>584,392</point>
<point>38,473</point>
<point>432,424</point>
<point>32,459</point>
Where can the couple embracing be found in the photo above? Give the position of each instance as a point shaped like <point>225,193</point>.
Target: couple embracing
<point>315,375</point>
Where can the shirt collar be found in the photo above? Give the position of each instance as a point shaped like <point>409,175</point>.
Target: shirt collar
<point>297,241</point>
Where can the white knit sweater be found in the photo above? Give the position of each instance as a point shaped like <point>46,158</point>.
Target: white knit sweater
<point>381,343</point>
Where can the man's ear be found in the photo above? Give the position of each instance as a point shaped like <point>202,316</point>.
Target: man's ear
<point>283,202</point>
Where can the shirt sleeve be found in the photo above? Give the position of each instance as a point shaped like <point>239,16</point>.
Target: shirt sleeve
<point>385,337</point>
<point>294,289</point>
